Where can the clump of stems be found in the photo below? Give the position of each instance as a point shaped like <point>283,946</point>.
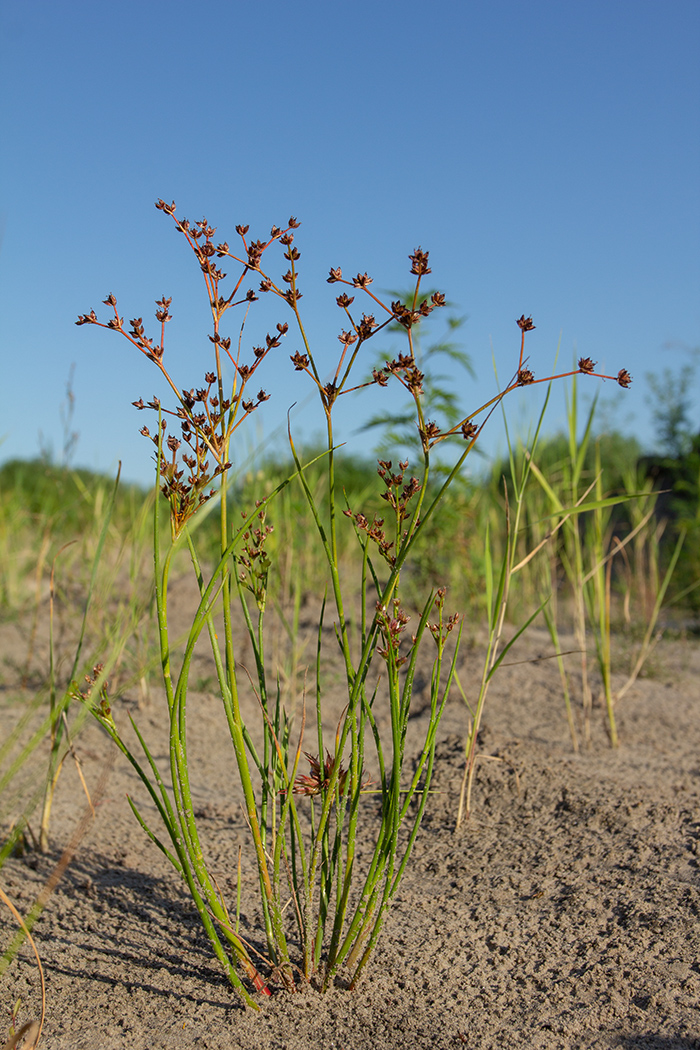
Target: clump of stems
<point>303,826</point>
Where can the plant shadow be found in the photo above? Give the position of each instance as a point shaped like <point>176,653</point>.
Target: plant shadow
<point>659,1042</point>
<point>142,924</point>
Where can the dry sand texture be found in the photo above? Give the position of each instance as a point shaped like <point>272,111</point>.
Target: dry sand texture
<point>565,914</point>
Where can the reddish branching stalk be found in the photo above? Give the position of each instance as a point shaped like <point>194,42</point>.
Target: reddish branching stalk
<point>207,417</point>
<point>188,463</point>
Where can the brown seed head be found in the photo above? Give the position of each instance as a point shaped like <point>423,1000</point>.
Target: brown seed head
<point>525,323</point>
<point>419,263</point>
<point>403,315</point>
<point>525,376</point>
<point>255,251</point>
<point>319,777</point>
<point>90,318</point>
<point>624,378</point>
<point>366,326</point>
<point>300,361</point>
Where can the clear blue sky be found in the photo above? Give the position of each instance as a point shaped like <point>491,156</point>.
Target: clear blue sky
<point>547,154</point>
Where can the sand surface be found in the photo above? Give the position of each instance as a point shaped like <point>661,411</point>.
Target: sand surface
<point>564,914</point>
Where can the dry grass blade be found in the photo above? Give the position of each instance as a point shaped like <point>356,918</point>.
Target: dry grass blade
<point>26,1039</point>
<point>57,873</point>
<point>30,1032</point>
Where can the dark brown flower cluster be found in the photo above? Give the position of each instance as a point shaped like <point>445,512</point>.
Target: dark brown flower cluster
<point>375,532</point>
<point>200,236</point>
<point>103,709</point>
<point>443,628</point>
<point>419,263</point>
<point>525,323</point>
<point>360,331</point>
<point>404,366</point>
<point>398,495</point>
<point>300,361</point>
<point>587,367</point>
<point>254,559</point>
<point>392,626</point>
<point>406,316</point>
<point>319,777</point>
<point>429,433</point>
<point>407,372</point>
<point>409,317</point>
<point>90,680</point>
<point>207,418</point>
<point>185,489</point>
<point>204,423</point>
<point>525,377</point>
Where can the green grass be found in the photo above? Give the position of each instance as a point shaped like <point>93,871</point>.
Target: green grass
<point>72,554</point>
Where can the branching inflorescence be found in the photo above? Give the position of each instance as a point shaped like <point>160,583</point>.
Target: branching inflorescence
<point>306,858</point>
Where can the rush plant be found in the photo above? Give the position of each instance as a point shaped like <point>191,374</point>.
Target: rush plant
<point>322,903</point>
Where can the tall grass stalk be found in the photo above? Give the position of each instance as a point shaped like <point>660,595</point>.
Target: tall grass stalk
<point>587,553</point>
<point>522,546</point>
<point>498,579</point>
<point>59,732</point>
<point>103,636</point>
<point>29,1034</point>
<point>321,908</point>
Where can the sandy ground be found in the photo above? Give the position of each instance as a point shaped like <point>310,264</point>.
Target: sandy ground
<point>564,914</point>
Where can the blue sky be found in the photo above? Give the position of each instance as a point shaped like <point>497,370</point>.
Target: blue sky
<point>547,154</point>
